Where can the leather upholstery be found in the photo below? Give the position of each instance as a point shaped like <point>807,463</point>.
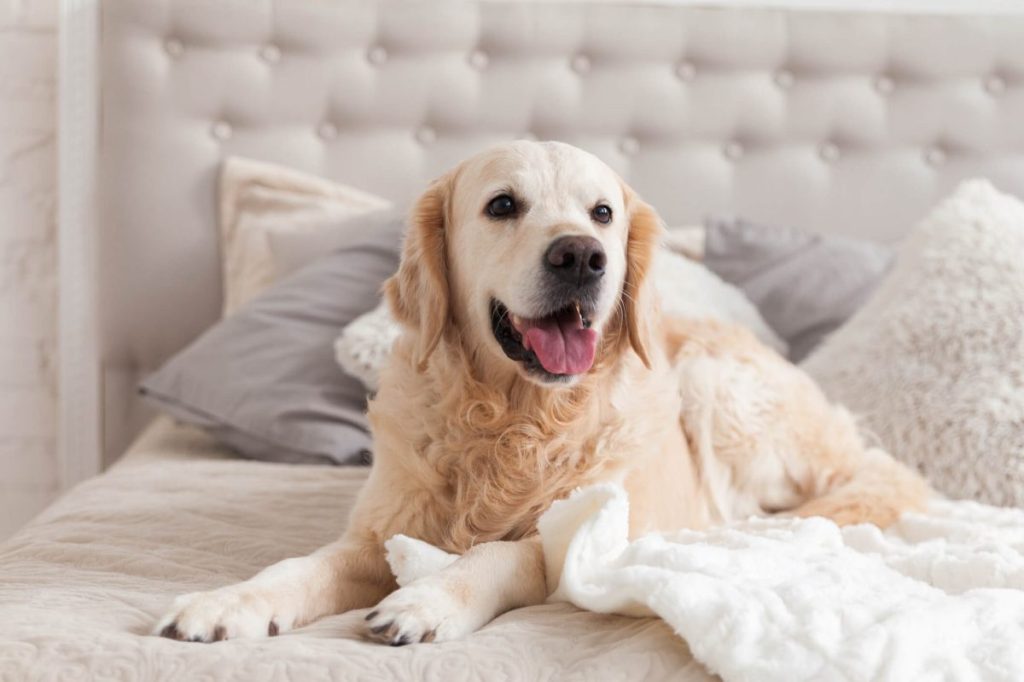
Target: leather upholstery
<point>841,122</point>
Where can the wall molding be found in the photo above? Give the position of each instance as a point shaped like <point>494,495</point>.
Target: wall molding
<point>79,416</point>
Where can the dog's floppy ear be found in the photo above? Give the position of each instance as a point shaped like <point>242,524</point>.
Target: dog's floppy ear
<point>645,232</point>
<point>418,293</point>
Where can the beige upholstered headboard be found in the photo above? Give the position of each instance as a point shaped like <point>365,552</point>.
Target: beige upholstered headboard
<point>836,121</point>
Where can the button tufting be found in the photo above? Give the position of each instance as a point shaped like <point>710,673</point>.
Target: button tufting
<point>733,150</point>
<point>935,156</point>
<point>221,130</point>
<point>270,54</point>
<point>784,79</point>
<point>994,84</point>
<point>629,145</point>
<point>686,71</point>
<point>327,131</point>
<point>478,60</point>
<point>426,135</point>
<point>884,84</point>
<point>376,55</point>
<point>173,47</point>
<point>580,63</point>
<point>829,152</point>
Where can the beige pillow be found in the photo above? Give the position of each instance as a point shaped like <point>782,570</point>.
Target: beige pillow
<point>687,241</point>
<point>260,200</point>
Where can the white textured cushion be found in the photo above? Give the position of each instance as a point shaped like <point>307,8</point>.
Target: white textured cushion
<point>934,362</point>
<point>261,202</point>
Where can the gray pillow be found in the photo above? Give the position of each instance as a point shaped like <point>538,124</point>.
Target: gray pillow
<point>804,285</point>
<point>264,380</point>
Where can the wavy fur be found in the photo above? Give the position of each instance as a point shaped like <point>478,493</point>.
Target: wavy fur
<point>698,420</point>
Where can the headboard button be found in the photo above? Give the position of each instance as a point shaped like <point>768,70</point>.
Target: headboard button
<point>327,131</point>
<point>426,135</point>
<point>686,71</point>
<point>629,145</point>
<point>884,85</point>
<point>784,79</point>
<point>478,60</point>
<point>376,55</point>
<point>270,54</point>
<point>580,63</point>
<point>935,156</point>
<point>733,150</point>
<point>173,47</point>
<point>221,130</point>
<point>994,84</point>
<point>829,152</point>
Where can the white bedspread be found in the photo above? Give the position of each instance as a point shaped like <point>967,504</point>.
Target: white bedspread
<point>938,597</point>
<point>81,587</point>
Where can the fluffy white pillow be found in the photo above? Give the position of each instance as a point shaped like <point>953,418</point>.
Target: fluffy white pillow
<point>687,288</point>
<point>262,201</point>
<point>934,362</point>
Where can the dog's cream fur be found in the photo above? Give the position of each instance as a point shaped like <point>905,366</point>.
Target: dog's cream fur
<point>698,420</point>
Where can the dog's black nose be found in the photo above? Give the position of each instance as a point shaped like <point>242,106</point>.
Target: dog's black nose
<point>576,260</point>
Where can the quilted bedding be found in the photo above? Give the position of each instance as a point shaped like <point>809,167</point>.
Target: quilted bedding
<point>82,585</point>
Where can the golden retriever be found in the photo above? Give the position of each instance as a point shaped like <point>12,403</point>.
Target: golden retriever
<point>535,361</point>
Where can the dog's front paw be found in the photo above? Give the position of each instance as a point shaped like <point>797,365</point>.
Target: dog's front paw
<point>226,613</point>
<point>424,611</point>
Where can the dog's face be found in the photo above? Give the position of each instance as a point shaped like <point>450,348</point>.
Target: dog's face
<point>533,252</point>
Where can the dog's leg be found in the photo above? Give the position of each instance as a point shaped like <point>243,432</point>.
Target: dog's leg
<point>488,580</point>
<point>342,576</point>
<point>766,438</point>
<point>876,490</point>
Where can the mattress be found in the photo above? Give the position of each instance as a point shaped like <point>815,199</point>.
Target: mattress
<point>82,585</point>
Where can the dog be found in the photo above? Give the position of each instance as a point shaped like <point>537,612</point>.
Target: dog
<point>534,361</point>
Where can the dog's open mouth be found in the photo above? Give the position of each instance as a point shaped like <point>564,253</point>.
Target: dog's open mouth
<point>557,346</point>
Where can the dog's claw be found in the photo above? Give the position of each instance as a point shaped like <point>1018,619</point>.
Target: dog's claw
<point>380,628</point>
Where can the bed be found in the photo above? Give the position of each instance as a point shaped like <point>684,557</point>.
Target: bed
<point>179,513</point>
<point>840,120</point>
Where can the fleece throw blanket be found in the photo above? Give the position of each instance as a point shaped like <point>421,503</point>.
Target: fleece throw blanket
<point>939,596</point>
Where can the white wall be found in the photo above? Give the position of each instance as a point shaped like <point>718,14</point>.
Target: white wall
<point>28,300</point>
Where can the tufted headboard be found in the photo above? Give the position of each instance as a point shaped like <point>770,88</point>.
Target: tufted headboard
<point>836,121</point>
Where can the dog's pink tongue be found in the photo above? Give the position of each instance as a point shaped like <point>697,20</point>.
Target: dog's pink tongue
<point>562,346</point>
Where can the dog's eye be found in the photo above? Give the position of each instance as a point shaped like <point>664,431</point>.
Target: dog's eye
<point>501,206</point>
<point>602,214</point>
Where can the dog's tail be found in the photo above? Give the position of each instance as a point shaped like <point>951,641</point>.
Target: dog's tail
<point>877,490</point>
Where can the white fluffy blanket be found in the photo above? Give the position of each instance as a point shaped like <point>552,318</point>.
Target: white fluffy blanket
<point>940,596</point>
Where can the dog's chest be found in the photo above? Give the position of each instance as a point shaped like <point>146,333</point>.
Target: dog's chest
<point>497,485</point>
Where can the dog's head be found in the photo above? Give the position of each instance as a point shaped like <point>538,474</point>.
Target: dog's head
<point>532,256</point>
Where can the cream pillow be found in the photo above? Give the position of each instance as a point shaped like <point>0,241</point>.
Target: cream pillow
<point>934,361</point>
<point>260,201</point>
